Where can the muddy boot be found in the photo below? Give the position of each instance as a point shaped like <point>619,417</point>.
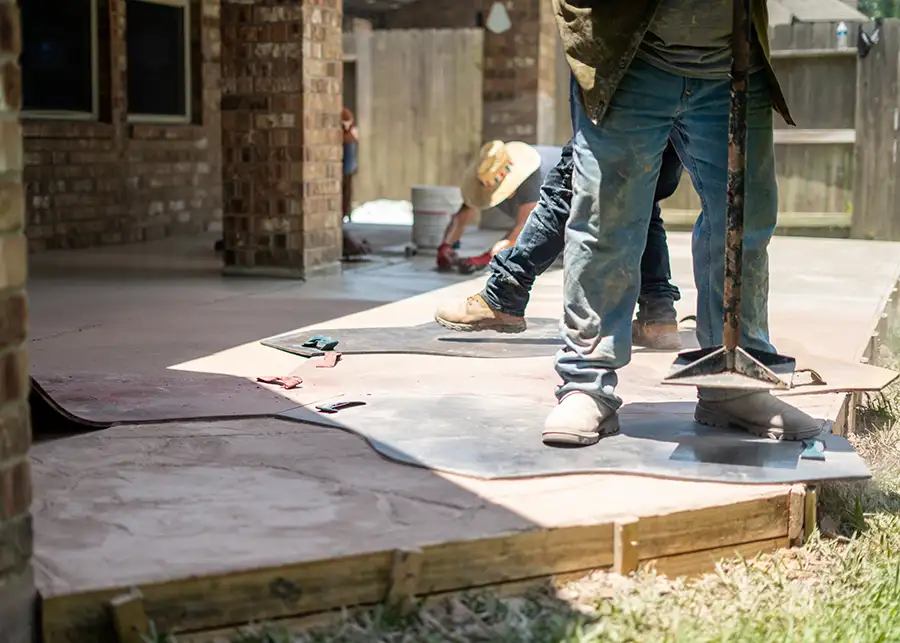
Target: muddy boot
<point>758,412</point>
<point>474,314</point>
<point>656,326</point>
<point>579,420</point>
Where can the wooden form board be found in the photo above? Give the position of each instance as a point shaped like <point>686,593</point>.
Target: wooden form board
<point>682,543</point>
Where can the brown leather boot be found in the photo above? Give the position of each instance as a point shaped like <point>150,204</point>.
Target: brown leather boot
<point>473,314</point>
<point>656,326</point>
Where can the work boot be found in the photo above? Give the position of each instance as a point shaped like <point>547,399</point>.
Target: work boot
<point>656,326</point>
<point>474,314</point>
<point>758,412</point>
<point>579,420</point>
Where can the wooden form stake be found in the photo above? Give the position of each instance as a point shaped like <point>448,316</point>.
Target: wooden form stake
<point>129,618</point>
<point>810,511</point>
<point>797,516</point>
<point>625,546</point>
<point>406,569</point>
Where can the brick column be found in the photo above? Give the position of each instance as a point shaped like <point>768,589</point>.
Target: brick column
<point>281,136</point>
<point>16,580</point>
<point>520,75</point>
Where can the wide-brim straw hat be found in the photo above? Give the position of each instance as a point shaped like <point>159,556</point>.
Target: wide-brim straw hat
<point>497,173</point>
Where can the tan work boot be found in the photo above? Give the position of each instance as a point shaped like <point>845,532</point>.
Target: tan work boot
<point>579,420</point>
<point>656,326</point>
<point>760,413</point>
<point>474,314</point>
<point>660,337</point>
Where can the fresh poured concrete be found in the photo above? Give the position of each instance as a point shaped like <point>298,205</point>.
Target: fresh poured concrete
<point>136,504</point>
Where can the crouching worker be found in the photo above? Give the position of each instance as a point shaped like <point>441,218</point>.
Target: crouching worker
<point>506,176</point>
<point>501,305</point>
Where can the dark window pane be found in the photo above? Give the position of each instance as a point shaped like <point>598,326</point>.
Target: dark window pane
<point>56,55</point>
<point>156,59</point>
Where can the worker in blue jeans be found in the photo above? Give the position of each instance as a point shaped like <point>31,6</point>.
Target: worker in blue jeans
<point>501,305</point>
<point>648,70</point>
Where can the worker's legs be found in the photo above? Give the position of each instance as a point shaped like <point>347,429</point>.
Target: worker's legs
<point>656,325</point>
<point>656,271</point>
<point>514,269</point>
<point>616,166</point>
<point>501,305</point>
<point>701,134</point>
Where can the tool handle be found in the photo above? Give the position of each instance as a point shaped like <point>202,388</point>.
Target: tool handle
<point>737,163</point>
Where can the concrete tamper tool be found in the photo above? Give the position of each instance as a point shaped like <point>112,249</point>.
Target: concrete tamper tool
<point>730,365</point>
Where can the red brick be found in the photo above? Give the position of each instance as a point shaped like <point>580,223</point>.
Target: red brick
<point>15,489</point>
<point>17,536</point>
<point>13,319</point>
<point>98,181</point>
<point>14,378</point>
<point>10,39</point>
<point>281,134</point>
<point>15,431</point>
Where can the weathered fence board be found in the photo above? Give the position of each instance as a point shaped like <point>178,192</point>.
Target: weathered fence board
<point>876,211</point>
<point>815,171</point>
<point>425,120</point>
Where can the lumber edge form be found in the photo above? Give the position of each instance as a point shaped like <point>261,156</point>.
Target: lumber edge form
<point>679,543</point>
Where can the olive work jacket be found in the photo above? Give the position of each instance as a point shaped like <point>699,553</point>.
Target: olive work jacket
<point>601,38</point>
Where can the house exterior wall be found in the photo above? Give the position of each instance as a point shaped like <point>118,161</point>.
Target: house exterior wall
<point>112,181</point>
<point>16,579</point>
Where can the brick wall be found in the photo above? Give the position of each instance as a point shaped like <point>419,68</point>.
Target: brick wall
<point>519,65</point>
<point>111,182</point>
<point>519,75</point>
<point>434,14</point>
<point>281,145</point>
<point>16,581</point>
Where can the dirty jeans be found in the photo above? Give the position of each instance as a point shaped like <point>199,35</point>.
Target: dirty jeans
<point>541,241</point>
<point>615,171</point>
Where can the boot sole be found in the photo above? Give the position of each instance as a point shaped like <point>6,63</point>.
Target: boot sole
<point>607,428</point>
<point>724,421</point>
<point>669,342</point>
<point>477,327</point>
<point>659,346</point>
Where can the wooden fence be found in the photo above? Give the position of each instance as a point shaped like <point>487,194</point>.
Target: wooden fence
<point>418,95</point>
<point>876,210</point>
<point>418,99</point>
<point>815,159</point>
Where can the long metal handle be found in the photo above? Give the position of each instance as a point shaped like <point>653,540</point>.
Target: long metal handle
<point>737,162</point>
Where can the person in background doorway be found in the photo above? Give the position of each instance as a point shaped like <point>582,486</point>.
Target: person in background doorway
<point>351,142</point>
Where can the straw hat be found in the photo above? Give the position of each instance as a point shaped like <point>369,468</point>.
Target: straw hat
<point>497,173</point>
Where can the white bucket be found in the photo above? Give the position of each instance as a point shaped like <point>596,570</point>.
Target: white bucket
<point>433,207</point>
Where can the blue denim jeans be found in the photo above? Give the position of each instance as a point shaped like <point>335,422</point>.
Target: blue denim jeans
<point>615,171</point>
<point>541,241</point>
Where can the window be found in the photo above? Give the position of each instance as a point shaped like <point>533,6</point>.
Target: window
<point>59,58</point>
<point>159,71</point>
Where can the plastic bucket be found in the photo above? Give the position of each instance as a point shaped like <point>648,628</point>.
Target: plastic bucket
<point>433,207</point>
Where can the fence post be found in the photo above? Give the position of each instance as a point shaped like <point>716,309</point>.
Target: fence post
<point>876,199</point>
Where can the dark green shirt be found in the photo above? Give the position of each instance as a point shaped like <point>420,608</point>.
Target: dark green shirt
<point>602,37</point>
<point>690,38</point>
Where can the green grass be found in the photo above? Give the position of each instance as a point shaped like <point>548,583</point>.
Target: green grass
<point>843,585</point>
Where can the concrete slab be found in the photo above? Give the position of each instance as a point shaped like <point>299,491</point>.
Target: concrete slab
<point>138,504</point>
